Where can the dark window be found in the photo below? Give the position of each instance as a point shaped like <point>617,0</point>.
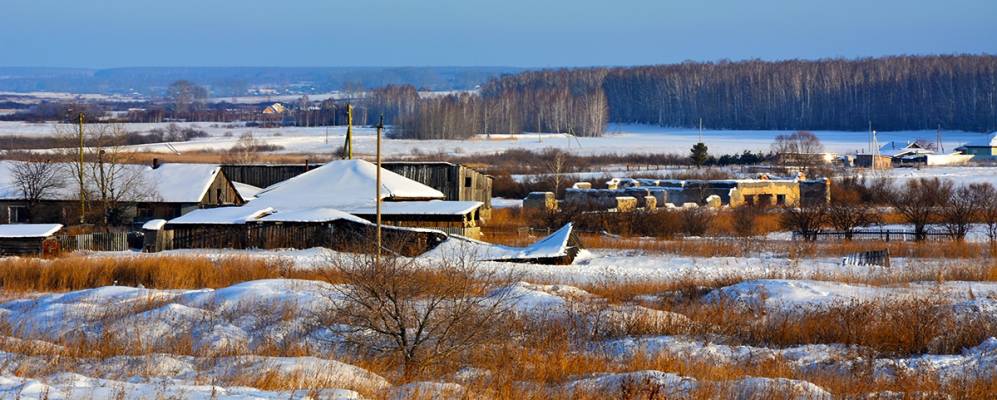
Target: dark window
<point>17,214</point>
<point>218,196</point>
<point>749,200</point>
<point>467,181</point>
<point>780,199</point>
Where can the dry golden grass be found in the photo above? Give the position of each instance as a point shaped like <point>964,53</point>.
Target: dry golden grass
<point>161,272</point>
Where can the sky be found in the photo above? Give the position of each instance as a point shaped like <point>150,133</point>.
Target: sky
<point>523,33</point>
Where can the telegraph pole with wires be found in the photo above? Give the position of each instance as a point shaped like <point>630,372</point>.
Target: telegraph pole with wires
<point>83,193</point>
<point>380,127</point>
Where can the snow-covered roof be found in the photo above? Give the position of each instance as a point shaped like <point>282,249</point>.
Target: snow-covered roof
<point>169,183</point>
<point>343,185</point>
<point>312,215</point>
<point>223,215</point>
<point>431,207</point>
<point>900,149</point>
<point>154,225</point>
<point>990,140</point>
<point>246,191</point>
<point>28,230</point>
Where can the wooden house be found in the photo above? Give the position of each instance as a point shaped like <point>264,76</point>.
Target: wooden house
<point>160,191</point>
<point>456,182</point>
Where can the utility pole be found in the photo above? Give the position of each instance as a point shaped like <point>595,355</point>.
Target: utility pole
<point>938,140</point>
<point>83,196</point>
<point>380,127</point>
<point>700,130</point>
<point>348,147</point>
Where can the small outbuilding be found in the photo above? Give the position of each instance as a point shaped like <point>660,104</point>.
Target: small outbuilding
<point>25,239</point>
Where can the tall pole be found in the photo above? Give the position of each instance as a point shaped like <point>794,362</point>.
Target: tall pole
<point>380,127</point>
<point>348,147</point>
<point>83,203</point>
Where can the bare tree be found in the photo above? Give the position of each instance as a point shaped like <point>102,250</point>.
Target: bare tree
<point>696,220</point>
<point>745,219</point>
<point>807,220</point>
<point>185,96</point>
<point>115,179</point>
<point>959,211</point>
<point>556,160</point>
<point>848,211</point>
<point>245,151</point>
<point>919,202</point>
<point>419,314</point>
<point>986,200</point>
<point>35,179</point>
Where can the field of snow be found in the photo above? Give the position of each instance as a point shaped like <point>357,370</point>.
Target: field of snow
<point>620,138</point>
<point>228,330</point>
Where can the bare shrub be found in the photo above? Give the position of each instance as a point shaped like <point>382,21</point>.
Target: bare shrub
<point>419,315</point>
<point>849,211</point>
<point>807,220</point>
<point>918,202</point>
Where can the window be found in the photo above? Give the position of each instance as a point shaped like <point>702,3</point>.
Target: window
<point>467,181</point>
<point>17,214</point>
<point>218,196</point>
<point>780,199</point>
<point>749,200</point>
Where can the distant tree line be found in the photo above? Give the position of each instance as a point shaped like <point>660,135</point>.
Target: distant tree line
<point>893,93</point>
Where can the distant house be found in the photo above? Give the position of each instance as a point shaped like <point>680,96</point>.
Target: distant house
<point>982,149</point>
<point>898,150</point>
<point>148,192</point>
<point>275,108</point>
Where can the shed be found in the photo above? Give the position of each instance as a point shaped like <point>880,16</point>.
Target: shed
<point>25,239</point>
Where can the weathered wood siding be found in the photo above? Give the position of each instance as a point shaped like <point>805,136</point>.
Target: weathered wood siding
<point>337,235</point>
<point>21,246</point>
<point>262,176</point>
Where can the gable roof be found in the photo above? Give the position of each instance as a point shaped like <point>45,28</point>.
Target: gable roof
<point>169,183</point>
<point>28,230</point>
<point>896,149</point>
<point>989,140</point>
<point>343,185</point>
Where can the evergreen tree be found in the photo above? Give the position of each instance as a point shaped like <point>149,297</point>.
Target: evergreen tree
<point>699,154</point>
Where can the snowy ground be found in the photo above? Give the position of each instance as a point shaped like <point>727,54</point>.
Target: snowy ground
<point>619,138</point>
<point>227,328</point>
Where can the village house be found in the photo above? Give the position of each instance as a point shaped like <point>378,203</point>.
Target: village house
<point>982,149</point>
<point>329,206</point>
<point>25,239</point>
<point>142,193</point>
<point>457,182</point>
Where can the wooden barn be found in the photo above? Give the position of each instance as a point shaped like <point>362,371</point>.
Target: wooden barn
<point>455,181</point>
<point>25,239</point>
<point>160,191</point>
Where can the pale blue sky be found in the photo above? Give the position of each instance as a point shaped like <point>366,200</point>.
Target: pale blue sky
<point>528,33</point>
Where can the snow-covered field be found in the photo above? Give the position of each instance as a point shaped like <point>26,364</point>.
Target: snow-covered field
<point>227,333</point>
<point>620,138</point>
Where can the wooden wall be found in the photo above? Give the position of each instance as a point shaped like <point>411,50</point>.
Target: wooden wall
<point>261,175</point>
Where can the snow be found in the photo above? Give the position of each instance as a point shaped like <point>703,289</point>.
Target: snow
<point>801,295</point>
<point>554,245</point>
<point>223,215</point>
<point>431,207</point>
<point>28,230</point>
<point>170,183</point>
<point>988,141</point>
<point>619,138</point>
<point>154,225</point>
<point>311,215</point>
<point>246,191</point>
<point>499,202</point>
<point>344,185</point>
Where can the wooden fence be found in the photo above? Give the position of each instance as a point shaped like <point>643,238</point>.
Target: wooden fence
<point>97,241</point>
<point>884,235</point>
<point>865,258</point>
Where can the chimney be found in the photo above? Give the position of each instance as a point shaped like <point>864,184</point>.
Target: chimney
<point>306,165</point>
<point>155,163</point>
